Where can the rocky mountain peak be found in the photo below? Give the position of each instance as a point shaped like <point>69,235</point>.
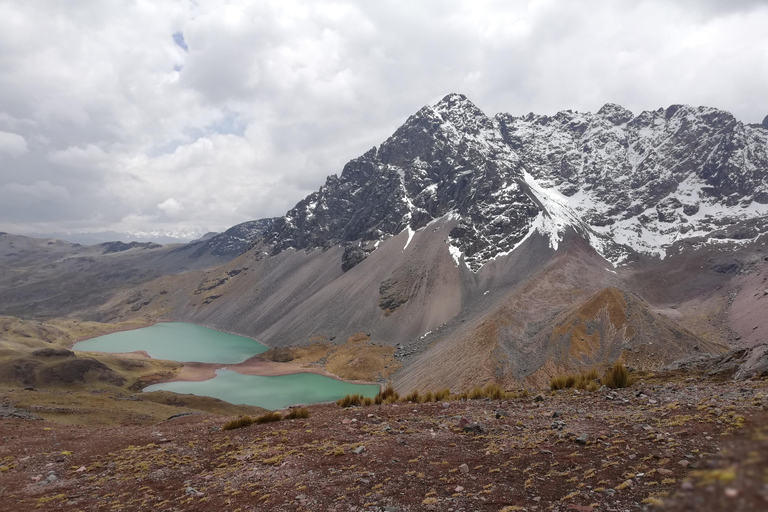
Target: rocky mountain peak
<point>616,114</point>
<point>630,184</point>
<point>464,115</point>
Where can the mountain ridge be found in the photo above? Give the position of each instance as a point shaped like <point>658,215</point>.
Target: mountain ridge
<point>452,159</point>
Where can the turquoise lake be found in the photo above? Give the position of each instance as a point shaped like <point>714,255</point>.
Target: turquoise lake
<point>269,392</point>
<point>177,341</point>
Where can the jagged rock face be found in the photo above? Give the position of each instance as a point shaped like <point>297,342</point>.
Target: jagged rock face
<point>233,241</point>
<point>649,180</point>
<point>627,183</point>
<point>447,158</point>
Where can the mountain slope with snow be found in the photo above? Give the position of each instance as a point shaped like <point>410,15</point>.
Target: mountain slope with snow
<point>630,184</point>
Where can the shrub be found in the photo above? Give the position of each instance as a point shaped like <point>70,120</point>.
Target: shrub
<point>297,413</point>
<point>350,400</point>
<point>268,417</point>
<point>242,421</point>
<point>368,401</point>
<point>617,377</point>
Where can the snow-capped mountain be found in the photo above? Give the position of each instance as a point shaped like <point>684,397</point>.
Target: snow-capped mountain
<point>650,180</point>
<point>628,184</point>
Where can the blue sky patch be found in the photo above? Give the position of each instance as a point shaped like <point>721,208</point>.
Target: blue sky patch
<point>178,38</point>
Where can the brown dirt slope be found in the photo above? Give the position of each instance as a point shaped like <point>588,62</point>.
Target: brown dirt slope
<point>507,343</point>
<point>612,325</point>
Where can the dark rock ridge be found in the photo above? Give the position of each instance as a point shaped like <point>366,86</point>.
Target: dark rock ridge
<point>450,158</point>
<point>630,184</point>
<point>232,242</point>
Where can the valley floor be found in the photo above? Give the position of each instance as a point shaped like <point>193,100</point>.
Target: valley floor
<point>688,444</point>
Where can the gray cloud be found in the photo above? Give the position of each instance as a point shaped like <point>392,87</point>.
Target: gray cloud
<point>182,114</point>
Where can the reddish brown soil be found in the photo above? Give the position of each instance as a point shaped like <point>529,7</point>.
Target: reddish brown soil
<point>412,457</point>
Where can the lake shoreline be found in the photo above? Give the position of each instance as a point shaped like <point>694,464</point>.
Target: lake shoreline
<point>198,372</point>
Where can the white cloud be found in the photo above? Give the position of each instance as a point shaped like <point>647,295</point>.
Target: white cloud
<point>268,98</point>
<point>12,144</point>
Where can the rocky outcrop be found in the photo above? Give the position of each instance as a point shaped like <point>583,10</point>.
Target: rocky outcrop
<point>740,364</point>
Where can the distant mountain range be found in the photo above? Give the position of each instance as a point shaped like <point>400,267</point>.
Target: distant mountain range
<point>99,237</point>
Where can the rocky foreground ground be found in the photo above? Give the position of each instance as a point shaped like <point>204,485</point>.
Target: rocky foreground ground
<point>685,445</point>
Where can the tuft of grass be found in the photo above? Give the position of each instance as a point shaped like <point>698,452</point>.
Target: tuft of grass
<point>617,376</point>
<point>413,396</point>
<point>297,413</point>
<point>493,391</point>
<point>242,421</point>
<point>268,417</point>
<point>428,397</point>
<point>386,396</point>
<point>585,380</point>
<point>350,400</point>
<point>443,394</point>
<point>562,382</point>
<point>477,392</point>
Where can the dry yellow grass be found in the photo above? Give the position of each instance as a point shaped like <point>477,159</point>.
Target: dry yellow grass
<point>359,359</point>
<point>617,376</point>
<point>297,413</point>
<point>586,380</point>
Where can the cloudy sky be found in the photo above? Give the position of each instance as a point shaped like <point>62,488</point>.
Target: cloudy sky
<point>200,114</point>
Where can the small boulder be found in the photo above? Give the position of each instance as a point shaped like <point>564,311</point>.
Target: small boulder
<point>583,439</point>
<point>558,425</point>
<point>538,398</point>
<point>475,428</point>
<point>464,469</point>
<point>501,413</point>
<point>191,491</point>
